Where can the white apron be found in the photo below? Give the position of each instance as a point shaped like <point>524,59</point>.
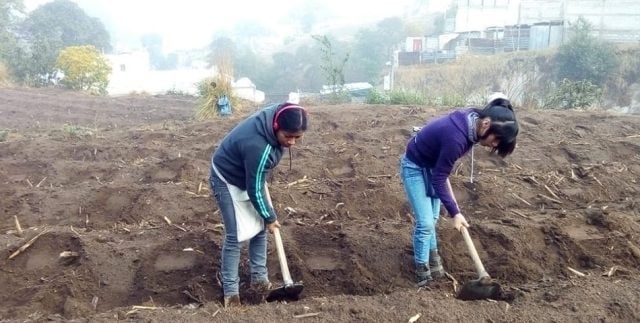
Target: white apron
<point>248,221</point>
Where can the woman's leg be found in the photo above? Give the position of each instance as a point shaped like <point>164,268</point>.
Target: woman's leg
<point>435,261</point>
<point>424,229</point>
<point>258,258</point>
<point>230,247</point>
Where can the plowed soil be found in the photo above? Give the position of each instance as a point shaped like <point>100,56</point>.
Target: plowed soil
<point>97,180</point>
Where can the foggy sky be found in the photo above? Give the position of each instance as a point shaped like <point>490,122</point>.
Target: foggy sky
<point>188,24</point>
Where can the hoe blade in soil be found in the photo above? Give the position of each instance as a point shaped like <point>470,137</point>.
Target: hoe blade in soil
<point>289,292</point>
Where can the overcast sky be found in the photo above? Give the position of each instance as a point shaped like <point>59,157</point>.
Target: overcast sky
<point>187,24</point>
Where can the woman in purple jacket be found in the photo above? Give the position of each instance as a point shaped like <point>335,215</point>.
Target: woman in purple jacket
<point>428,161</point>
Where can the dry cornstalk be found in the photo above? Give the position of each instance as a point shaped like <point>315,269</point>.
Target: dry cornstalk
<point>42,181</point>
<point>18,227</point>
<point>27,245</point>
<point>74,231</point>
<point>581,274</point>
<point>68,254</point>
<point>302,180</point>
<point>634,249</point>
<point>139,307</point>
<point>520,214</point>
<point>551,192</point>
<point>179,227</point>
<point>301,316</point>
<point>611,271</point>
<point>29,182</point>
<point>94,302</point>
<point>199,188</point>
<point>597,180</point>
<point>414,318</point>
<point>453,281</point>
<point>380,176</point>
<point>550,198</point>
<point>196,194</point>
<point>521,199</point>
<point>166,219</point>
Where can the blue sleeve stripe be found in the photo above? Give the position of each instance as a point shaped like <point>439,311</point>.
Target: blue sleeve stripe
<point>264,210</point>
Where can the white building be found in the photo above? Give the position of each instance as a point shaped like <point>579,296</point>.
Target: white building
<point>132,73</point>
<point>613,20</point>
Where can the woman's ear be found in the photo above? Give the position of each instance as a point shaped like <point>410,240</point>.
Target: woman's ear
<point>485,123</point>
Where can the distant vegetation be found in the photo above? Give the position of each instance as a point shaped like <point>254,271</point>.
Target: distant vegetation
<point>84,69</point>
<point>302,66</point>
<point>30,46</point>
<point>582,73</point>
<point>214,88</point>
<point>4,75</point>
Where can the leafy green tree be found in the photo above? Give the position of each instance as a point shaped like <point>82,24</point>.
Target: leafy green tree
<point>50,28</point>
<point>584,57</point>
<point>84,69</point>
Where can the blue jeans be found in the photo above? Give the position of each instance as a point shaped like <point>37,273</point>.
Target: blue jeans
<point>426,210</point>
<point>231,248</point>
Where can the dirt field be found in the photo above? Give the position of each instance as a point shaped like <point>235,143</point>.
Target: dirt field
<point>96,176</point>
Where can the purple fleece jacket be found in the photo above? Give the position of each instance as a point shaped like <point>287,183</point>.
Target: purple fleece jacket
<point>438,145</point>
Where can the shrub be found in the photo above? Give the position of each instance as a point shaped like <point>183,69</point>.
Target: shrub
<point>377,97</point>
<point>406,97</point>
<point>84,69</point>
<point>573,94</point>
<point>584,57</point>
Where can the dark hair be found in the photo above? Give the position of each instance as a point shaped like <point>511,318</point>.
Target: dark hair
<point>504,125</point>
<point>292,119</point>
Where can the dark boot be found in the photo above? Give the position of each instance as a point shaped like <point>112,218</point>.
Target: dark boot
<point>258,292</point>
<point>435,264</point>
<point>423,275</point>
<point>232,301</point>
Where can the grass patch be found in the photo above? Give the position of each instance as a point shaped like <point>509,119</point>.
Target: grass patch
<point>4,134</point>
<point>75,131</point>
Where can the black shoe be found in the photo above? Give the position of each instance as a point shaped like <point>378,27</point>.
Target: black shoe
<point>423,275</point>
<point>435,265</point>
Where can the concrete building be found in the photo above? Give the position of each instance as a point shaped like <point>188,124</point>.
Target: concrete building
<point>613,20</point>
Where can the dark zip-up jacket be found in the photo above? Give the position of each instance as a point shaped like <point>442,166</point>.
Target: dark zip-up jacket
<point>247,154</point>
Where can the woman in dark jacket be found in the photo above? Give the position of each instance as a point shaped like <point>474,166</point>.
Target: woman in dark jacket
<point>239,168</point>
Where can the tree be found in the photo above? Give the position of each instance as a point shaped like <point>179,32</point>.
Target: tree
<point>249,64</point>
<point>52,27</point>
<point>84,69</point>
<point>369,57</point>
<point>374,47</point>
<point>333,70</point>
<point>391,31</point>
<point>10,11</point>
<point>222,48</point>
<point>152,42</point>
<point>584,57</point>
